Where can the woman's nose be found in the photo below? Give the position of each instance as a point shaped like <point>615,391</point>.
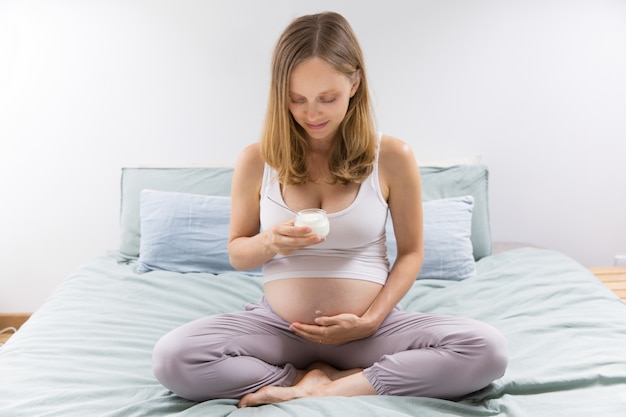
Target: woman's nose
<point>312,110</point>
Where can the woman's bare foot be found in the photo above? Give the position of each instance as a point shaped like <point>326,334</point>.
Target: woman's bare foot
<point>271,394</point>
<point>333,373</point>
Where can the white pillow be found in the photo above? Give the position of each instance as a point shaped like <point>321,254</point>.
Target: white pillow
<point>183,232</point>
<point>448,251</point>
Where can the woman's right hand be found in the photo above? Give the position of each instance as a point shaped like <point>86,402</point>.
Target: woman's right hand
<point>284,238</point>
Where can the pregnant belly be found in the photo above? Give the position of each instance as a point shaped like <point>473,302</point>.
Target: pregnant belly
<point>303,299</point>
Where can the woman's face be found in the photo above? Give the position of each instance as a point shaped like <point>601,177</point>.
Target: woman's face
<point>319,97</point>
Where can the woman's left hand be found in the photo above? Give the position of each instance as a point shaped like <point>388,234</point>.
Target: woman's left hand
<point>335,330</point>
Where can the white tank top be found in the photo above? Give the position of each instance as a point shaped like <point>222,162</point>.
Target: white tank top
<point>355,247</point>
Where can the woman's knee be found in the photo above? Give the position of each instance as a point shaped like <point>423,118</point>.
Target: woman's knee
<point>168,360</point>
<point>494,357</point>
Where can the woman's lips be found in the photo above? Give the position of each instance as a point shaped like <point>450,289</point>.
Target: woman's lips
<point>316,126</point>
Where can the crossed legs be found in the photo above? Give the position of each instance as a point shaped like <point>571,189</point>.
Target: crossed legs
<point>254,357</point>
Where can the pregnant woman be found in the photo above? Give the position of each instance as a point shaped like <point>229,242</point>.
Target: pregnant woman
<point>328,323</point>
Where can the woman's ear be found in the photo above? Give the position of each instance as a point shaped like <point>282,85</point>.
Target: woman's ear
<point>356,83</point>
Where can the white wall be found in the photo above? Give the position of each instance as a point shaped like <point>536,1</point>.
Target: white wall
<point>87,87</point>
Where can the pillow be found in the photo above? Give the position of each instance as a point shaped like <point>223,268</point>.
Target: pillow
<point>437,183</point>
<point>206,181</point>
<point>447,239</point>
<point>184,232</point>
<point>459,181</point>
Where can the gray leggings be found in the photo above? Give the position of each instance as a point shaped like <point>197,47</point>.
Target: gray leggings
<point>230,355</point>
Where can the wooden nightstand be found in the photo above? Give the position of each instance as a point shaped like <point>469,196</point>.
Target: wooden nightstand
<point>11,320</point>
<point>613,277</point>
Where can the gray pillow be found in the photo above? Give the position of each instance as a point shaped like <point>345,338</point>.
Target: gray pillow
<point>458,181</point>
<point>437,183</point>
<point>207,181</point>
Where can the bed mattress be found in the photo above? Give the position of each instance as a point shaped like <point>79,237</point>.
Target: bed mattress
<point>87,350</point>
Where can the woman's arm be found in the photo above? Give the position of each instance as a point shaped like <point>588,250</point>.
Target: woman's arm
<point>401,182</point>
<point>248,248</point>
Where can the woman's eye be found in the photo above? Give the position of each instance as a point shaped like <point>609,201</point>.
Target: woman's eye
<point>327,100</point>
<point>297,100</point>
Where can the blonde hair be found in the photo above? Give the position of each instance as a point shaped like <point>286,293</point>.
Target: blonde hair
<point>327,36</point>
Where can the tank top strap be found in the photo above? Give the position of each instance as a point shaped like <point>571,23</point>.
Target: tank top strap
<point>373,177</point>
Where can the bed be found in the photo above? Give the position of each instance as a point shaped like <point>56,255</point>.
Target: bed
<point>87,350</point>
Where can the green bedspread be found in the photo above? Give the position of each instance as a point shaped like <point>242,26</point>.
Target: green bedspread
<point>87,351</point>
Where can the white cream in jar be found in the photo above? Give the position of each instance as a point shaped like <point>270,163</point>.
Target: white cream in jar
<point>316,219</point>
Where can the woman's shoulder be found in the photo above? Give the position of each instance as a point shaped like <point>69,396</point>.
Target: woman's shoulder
<point>394,150</point>
<point>250,162</point>
<point>397,166</point>
<point>251,156</point>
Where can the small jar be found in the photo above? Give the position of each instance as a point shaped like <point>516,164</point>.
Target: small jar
<point>316,219</point>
